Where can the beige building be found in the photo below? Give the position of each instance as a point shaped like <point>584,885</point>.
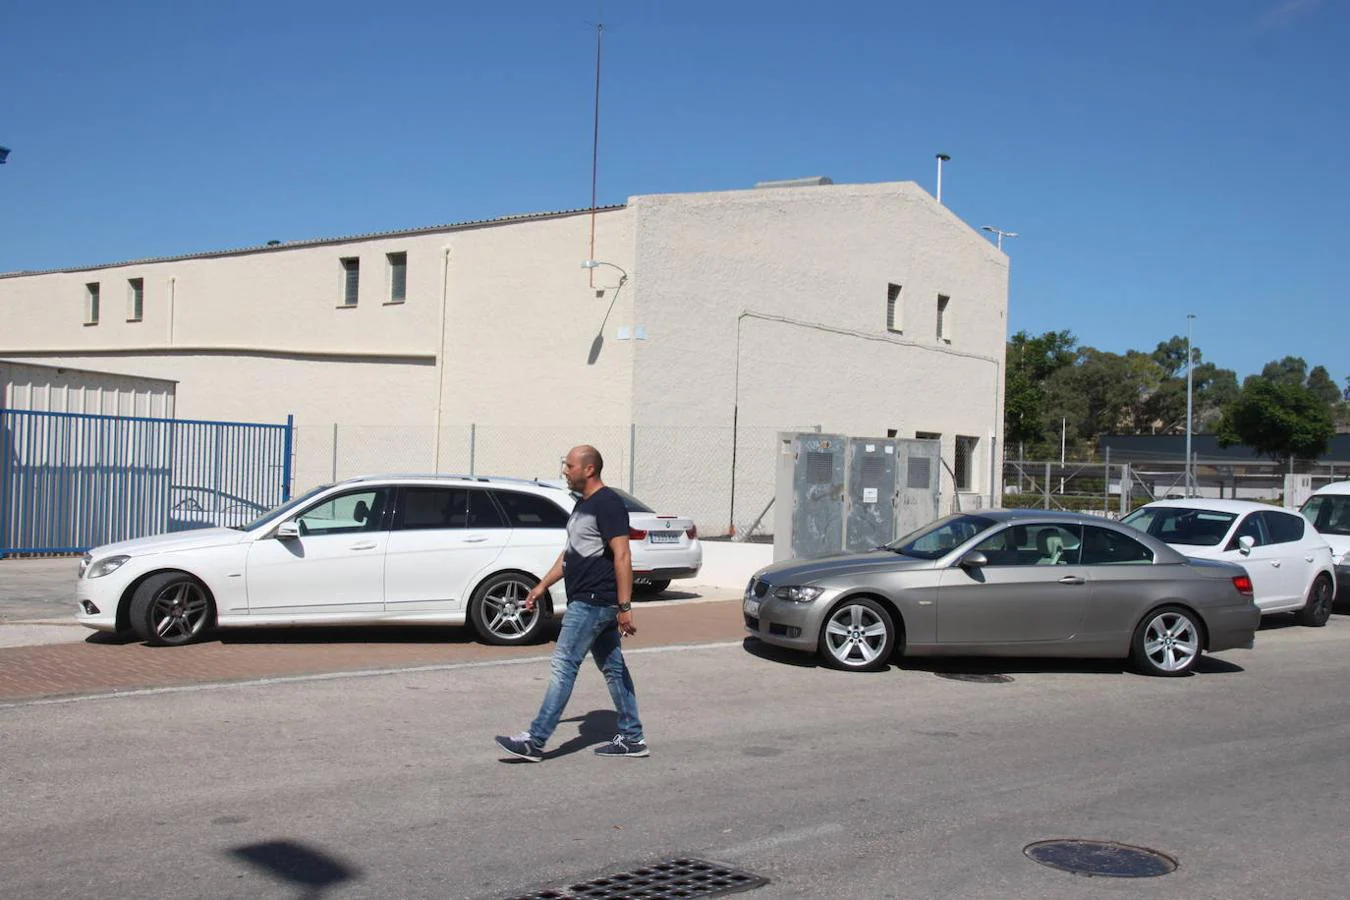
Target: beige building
<point>487,346</point>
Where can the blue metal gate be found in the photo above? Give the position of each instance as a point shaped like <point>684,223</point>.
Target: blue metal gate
<point>71,481</point>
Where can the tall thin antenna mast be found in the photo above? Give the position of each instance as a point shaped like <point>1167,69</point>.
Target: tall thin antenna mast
<point>595,140</point>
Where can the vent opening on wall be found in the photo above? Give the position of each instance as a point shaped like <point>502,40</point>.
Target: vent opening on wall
<point>920,472</point>
<point>819,467</point>
<point>873,473</point>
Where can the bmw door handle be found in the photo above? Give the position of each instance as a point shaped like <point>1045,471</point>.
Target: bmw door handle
<point>1073,579</point>
<point>365,545</point>
<point>474,539</point>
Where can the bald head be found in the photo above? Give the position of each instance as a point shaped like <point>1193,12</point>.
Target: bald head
<point>589,456</point>
<point>582,468</point>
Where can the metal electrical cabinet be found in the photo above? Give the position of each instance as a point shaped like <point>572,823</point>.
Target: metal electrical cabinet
<point>809,498</point>
<point>836,493</point>
<point>919,470</point>
<point>870,513</point>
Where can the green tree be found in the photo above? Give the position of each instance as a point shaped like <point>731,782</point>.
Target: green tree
<point>1103,393</point>
<point>1277,417</point>
<point>1323,387</point>
<point>1030,363</point>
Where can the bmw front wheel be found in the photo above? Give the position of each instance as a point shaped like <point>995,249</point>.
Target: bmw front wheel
<point>858,635</point>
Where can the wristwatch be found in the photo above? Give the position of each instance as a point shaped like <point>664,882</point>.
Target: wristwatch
<point>625,607</point>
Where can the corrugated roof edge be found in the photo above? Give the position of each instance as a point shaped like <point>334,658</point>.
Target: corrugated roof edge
<point>318,242</point>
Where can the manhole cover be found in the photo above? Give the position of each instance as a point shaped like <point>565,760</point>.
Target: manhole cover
<point>683,878</point>
<point>977,677</point>
<point>1101,858</point>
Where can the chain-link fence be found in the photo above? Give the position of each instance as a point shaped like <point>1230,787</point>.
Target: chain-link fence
<point>679,470</point>
<point>1114,489</point>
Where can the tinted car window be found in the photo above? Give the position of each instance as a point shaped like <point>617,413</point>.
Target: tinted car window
<point>1329,513</point>
<point>1104,547</point>
<point>1284,528</point>
<point>1252,526</point>
<point>531,511</point>
<point>1182,525</point>
<point>446,507</point>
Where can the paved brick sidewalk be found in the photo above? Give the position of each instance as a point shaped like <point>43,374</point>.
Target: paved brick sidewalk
<point>102,665</point>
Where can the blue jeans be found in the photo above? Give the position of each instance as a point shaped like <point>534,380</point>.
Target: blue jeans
<point>587,626</point>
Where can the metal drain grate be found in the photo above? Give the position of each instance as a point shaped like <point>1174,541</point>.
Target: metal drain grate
<point>977,677</point>
<point>675,878</point>
<point>1106,858</point>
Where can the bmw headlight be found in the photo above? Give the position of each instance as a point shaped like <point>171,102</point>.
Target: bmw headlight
<point>794,594</point>
<point>106,566</point>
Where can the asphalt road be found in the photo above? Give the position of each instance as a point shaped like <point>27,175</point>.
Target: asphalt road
<point>897,784</point>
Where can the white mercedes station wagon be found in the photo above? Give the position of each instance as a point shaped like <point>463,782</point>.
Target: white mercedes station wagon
<point>433,550</point>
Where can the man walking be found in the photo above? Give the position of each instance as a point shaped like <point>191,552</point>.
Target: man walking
<point>598,570</point>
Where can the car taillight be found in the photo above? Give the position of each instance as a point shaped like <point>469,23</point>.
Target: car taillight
<point>691,531</point>
<point>637,534</point>
<point>1243,584</point>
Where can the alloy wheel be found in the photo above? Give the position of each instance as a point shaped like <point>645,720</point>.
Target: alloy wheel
<point>856,636</point>
<point>504,612</point>
<point>1171,642</point>
<point>179,612</point>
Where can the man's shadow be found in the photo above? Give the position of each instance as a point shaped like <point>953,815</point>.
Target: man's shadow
<point>596,727</point>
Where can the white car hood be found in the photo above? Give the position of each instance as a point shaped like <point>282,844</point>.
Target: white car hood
<point>194,539</point>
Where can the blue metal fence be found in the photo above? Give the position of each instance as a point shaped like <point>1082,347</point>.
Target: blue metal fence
<point>71,481</point>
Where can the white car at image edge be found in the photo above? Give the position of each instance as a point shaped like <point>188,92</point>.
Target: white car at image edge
<point>436,550</point>
<point>1328,509</point>
<point>1289,563</point>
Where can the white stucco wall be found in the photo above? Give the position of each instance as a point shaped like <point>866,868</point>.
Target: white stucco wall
<point>806,271</point>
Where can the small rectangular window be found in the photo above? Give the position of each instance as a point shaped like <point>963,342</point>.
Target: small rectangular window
<point>965,461</point>
<point>91,303</point>
<point>943,330</point>
<point>135,299</point>
<point>894,319</point>
<point>351,280</point>
<point>398,276</point>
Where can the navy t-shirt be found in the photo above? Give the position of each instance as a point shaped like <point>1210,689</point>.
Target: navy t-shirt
<point>588,562</point>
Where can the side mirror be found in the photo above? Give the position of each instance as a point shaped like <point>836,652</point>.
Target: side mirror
<point>973,560</point>
<point>288,531</point>
<point>1246,543</point>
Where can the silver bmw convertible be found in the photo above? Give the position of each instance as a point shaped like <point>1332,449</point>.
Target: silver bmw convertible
<point>1007,583</point>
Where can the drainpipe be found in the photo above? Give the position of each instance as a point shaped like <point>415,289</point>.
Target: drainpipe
<point>440,363</point>
<point>173,293</point>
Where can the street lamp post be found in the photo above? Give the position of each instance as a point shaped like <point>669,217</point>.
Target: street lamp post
<point>999,233</point>
<point>941,158</point>
<point>1190,317</point>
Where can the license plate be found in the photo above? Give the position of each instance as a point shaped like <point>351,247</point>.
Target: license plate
<point>664,537</point>
<point>751,607</point>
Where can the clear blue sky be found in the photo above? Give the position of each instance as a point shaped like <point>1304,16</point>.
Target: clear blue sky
<point>1157,157</point>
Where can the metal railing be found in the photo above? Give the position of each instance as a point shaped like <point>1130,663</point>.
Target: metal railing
<point>71,481</point>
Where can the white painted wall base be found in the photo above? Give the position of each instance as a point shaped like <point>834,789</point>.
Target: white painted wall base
<point>727,564</point>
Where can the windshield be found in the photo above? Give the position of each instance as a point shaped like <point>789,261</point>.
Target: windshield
<point>283,508</point>
<point>1182,524</point>
<point>1329,513</point>
<point>939,538</point>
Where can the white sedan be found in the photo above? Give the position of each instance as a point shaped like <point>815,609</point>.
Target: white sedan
<point>390,550</point>
<point>1289,563</point>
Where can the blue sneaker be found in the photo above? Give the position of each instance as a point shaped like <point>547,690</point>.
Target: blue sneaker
<point>622,747</point>
<point>522,745</point>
